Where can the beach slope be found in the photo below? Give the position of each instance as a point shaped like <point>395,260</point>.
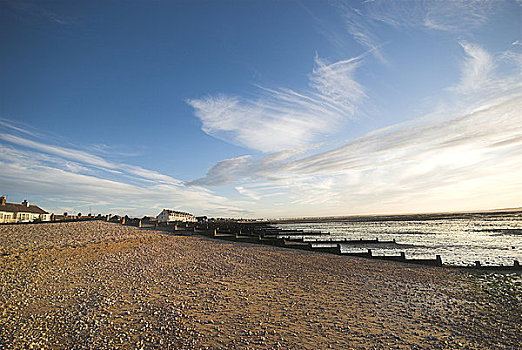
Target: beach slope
<point>102,285</point>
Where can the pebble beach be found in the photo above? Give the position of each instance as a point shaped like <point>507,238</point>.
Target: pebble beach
<point>101,285</point>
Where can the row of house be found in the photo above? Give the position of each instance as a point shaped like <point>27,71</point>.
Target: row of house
<point>24,212</point>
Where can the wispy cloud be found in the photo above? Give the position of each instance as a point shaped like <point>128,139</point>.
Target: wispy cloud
<point>30,10</point>
<point>284,118</point>
<point>361,28</point>
<point>473,156</point>
<point>457,15</point>
<point>18,128</point>
<point>59,151</point>
<point>56,174</point>
<point>465,153</point>
<point>373,17</point>
<point>462,15</point>
<point>476,69</point>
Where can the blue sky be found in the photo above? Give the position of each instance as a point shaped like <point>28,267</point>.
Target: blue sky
<point>261,108</point>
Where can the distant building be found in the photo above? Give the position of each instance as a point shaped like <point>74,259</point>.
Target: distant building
<point>168,215</point>
<point>201,219</point>
<point>149,219</point>
<point>14,212</point>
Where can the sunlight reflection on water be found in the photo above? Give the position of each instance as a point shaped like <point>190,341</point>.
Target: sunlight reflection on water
<point>460,239</point>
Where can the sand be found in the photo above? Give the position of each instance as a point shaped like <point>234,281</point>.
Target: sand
<point>98,285</point>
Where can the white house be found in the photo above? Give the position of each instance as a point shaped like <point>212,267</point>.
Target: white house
<point>13,212</point>
<point>168,215</point>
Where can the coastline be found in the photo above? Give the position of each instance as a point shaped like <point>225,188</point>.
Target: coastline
<point>104,285</point>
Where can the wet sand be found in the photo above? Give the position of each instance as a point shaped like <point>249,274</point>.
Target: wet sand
<point>102,285</point>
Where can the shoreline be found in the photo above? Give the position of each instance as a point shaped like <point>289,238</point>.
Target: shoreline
<point>111,286</point>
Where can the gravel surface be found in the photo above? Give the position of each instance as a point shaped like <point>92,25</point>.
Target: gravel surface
<point>96,285</point>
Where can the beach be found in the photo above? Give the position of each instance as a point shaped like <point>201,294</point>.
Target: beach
<point>103,285</point>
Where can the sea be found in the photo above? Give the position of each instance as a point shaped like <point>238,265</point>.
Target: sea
<point>493,238</point>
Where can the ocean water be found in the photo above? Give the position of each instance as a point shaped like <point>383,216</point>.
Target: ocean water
<point>460,239</point>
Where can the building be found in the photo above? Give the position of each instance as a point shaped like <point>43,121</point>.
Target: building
<point>149,219</point>
<point>168,215</point>
<point>13,212</point>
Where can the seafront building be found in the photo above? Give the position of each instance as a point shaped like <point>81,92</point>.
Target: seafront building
<point>14,212</point>
<point>168,215</point>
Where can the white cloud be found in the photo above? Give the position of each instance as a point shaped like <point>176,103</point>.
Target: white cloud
<point>461,15</point>
<point>283,118</point>
<point>222,173</point>
<point>455,16</point>
<point>477,68</point>
<point>361,28</point>
<point>67,153</point>
<point>470,161</point>
<point>460,157</point>
<point>58,175</point>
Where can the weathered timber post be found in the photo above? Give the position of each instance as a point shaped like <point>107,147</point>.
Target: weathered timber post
<point>516,263</point>
<point>369,252</point>
<point>403,256</point>
<point>438,260</point>
<point>139,223</point>
<point>123,220</point>
<point>107,218</point>
<point>477,263</point>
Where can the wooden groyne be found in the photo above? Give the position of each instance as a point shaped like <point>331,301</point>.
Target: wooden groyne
<point>263,233</point>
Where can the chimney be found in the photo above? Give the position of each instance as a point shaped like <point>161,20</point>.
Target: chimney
<point>26,203</point>
<point>2,200</point>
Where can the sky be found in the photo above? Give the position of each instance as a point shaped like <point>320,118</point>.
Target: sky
<point>261,109</point>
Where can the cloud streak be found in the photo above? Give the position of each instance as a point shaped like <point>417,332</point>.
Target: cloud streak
<point>453,16</point>
<point>477,68</point>
<point>284,118</point>
<point>465,153</point>
<point>56,175</point>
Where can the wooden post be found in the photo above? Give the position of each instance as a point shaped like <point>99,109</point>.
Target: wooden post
<point>369,252</point>
<point>403,256</point>
<point>139,223</point>
<point>516,263</point>
<point>123,220</point>
<point>477,263</point>
<point>438,260</point>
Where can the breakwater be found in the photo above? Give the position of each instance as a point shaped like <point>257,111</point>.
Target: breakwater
<point>310,240</point>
